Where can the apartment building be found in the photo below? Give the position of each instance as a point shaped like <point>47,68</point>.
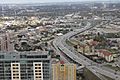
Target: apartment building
<point>25,66</point>
<point>61,71</point>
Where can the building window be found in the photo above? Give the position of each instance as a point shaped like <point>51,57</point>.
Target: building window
<point>15,64</point>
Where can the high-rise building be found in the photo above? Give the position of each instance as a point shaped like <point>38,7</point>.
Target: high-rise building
<point>25,66</point>
<point>61,71</point>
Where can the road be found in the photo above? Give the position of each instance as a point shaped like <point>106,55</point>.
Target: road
<point>93,67</point>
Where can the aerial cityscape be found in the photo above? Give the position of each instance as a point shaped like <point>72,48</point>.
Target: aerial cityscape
<point>60,40</point>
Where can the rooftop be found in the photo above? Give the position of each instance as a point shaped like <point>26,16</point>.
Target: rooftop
<point>105,52</point>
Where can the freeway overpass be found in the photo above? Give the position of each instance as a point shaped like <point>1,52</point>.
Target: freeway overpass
<point>80,59</point>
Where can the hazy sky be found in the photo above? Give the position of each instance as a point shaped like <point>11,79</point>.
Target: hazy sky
<point>41,1</point>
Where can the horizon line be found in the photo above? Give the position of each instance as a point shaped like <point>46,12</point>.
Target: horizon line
<point>60,2</point>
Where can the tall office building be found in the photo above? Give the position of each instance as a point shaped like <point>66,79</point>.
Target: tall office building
<point>25,66</point>
<point>61,71</point>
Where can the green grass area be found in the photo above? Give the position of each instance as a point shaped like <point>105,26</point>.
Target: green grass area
<point>69,43</point>
<point>89,75</point>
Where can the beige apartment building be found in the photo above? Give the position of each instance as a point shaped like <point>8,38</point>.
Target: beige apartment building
<point>61,71</point>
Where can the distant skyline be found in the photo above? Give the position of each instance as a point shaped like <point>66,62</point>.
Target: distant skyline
<point>44,1</point>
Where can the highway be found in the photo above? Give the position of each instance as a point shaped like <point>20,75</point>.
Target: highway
<point>60,43</point>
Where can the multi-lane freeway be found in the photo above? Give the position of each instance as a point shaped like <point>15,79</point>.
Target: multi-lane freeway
<point>60,45</point>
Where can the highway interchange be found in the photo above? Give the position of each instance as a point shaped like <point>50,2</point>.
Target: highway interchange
<point>64,50</point>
